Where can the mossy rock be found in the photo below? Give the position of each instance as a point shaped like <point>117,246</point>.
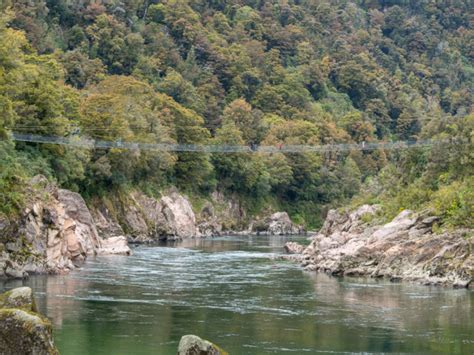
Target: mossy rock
<point>193,345</point>
<point>21,297</point>
<point>22,329</point>
<point>23,332</point>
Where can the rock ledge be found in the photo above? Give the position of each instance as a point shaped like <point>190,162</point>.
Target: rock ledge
<point>404,249</point>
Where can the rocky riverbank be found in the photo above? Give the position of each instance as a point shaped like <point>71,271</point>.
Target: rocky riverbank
<point>56,231</point>
<point>407,248</point>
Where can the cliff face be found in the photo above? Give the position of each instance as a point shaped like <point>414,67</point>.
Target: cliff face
<point>145,219</point>
<point>172,217</point>
<point>404,249</point>
<point>54,233</point>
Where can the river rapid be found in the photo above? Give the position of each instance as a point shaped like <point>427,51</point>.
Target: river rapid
<point>235,292</point>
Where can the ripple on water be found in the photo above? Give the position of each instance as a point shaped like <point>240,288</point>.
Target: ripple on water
<point>235,291</point>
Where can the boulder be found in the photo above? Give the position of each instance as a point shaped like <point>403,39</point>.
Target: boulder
<point>179,216</point>
<point>21,297</point>
<point>278,223</point>
<point>22,329</point>
<point>114,245</point>
<point>146,219</point>
<point>193,345</point>
<point>404,249</point>
<point>85,238</point>
<point>294,248</point>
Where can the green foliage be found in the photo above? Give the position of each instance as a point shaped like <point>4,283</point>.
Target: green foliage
<point>11,180</point>
<point>455,203</point>
<point>438,179</point>
<point>198,72</point>
<point>240,172</point>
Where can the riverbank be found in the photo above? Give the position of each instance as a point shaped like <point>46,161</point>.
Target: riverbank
<point>408,248</point>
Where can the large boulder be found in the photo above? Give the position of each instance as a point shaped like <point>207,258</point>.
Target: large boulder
<point>404,249</point>
<point>22,329</point>
<point>115,246</point>
<point>179,217</point>
<point>21,297</point>
<point>85,237</point>
<point>193,345</point>
<point>278,223</point>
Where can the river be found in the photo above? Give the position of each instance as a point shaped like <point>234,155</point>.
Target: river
<point>234,292</point>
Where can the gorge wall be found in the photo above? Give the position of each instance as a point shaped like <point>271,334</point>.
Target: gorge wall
<point>56,231</point>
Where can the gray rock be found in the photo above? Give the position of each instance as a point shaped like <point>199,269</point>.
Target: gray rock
<point>22,329</point>
<point>12,247</point>
<point>193,345</point>
<point>39,181</point>
<point>278,223</point>
<point>15,271</point>
<point>404,249</point>
<point>294,248</point>
<point>179,215</point>
<point>114,245</point>
<point>21,297</point>
<point>146,219</point>
<point>54,234</point>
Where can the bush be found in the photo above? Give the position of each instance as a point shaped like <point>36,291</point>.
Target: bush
<point>455,203</point>
<point>11,180</point>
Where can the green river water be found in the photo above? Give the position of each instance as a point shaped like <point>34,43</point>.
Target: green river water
<point>232,291</point>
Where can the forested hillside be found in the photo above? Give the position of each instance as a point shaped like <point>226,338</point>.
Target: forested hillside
<point>245,73</point>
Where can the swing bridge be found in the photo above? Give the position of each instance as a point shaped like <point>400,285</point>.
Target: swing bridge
<point>88,143</point>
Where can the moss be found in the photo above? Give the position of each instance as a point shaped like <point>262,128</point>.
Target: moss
<point>197,201</point>
<point>23,332</point>
<point>218,348</point>
<point>367,218</point>
<point>25,252</point>
<point>21,298</point>
<point>22,329</point>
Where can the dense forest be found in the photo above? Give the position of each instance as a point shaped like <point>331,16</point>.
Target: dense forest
<point>244,72</point>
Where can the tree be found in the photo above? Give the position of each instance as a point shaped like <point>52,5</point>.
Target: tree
<point>80,70</point>
<point>305,167</point>
<point>247,120</point>
<point>360,78</point>
<point>125,109</point>
<point>182,91</point>
<point>239,172</point>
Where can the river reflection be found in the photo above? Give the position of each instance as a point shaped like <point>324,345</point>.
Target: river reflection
<point>234,292</point>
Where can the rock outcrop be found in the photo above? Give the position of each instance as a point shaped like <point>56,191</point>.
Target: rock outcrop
<point>22,329</point>
<point>404,249</point>
<point>209,224</point>
<point>145,219</point>
<point>179,218</point>
<point>278,223</point>
<point>193,345</point>
<point>294,248</point>
<point>54,234</point>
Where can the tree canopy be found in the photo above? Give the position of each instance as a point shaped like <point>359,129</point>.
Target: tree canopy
<point>243,72</point>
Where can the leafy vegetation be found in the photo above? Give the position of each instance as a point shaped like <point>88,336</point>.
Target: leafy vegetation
<point>244,72</point>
